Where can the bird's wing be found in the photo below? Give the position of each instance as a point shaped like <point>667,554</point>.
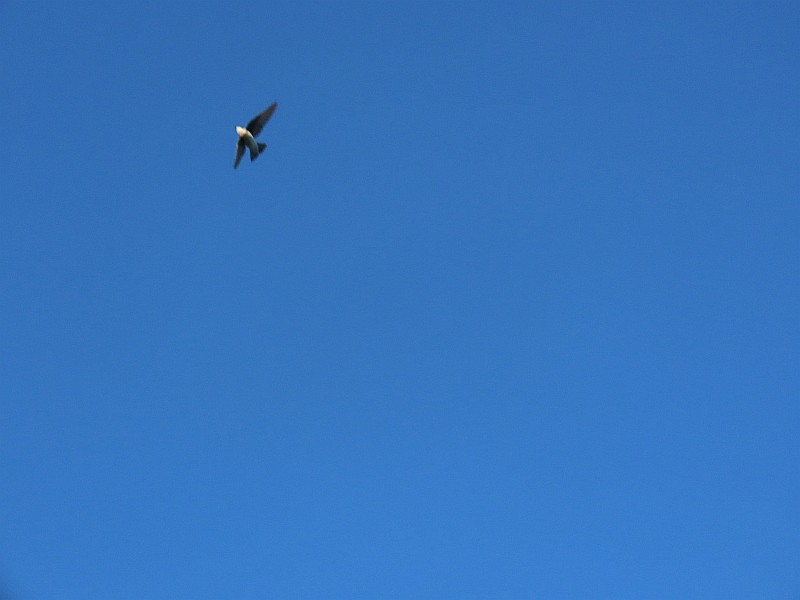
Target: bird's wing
<point>256,125</point>
<point>239,152</point>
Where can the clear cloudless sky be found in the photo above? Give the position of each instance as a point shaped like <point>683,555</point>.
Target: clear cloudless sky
<point>508,308</point>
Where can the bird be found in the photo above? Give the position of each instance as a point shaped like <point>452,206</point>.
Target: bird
<point>247,135</point>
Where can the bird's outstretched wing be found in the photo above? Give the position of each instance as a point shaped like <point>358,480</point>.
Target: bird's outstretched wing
<point>257,124</point>
<point>239,153</point>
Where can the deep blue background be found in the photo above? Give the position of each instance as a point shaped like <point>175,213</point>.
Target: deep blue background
<point>508,309</point>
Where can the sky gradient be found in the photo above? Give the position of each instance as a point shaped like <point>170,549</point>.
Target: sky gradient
<point>507,309</point>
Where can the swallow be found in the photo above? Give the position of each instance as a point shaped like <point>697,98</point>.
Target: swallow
<point>247,135</point>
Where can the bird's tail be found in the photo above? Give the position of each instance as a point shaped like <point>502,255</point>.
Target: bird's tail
<point>253,155</point>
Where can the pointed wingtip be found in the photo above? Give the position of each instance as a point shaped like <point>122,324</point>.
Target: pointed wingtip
<point>239,153</point>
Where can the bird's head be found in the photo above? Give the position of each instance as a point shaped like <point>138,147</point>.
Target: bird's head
<point>241,130</point>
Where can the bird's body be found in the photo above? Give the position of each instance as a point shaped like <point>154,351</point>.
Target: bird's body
<point>247,135</point>
<point>246,138</point>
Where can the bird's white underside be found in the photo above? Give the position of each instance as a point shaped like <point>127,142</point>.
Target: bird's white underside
<point>248,139</point>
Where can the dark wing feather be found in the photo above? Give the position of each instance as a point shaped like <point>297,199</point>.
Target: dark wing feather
<point>239,152</point>
<point>256,125</point>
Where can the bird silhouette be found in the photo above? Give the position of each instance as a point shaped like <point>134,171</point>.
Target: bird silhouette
<point>247,135</point>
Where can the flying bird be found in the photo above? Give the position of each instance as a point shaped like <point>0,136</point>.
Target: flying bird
<point>247,135</point>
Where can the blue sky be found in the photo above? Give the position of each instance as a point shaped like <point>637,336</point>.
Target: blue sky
<point>508,309</point>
